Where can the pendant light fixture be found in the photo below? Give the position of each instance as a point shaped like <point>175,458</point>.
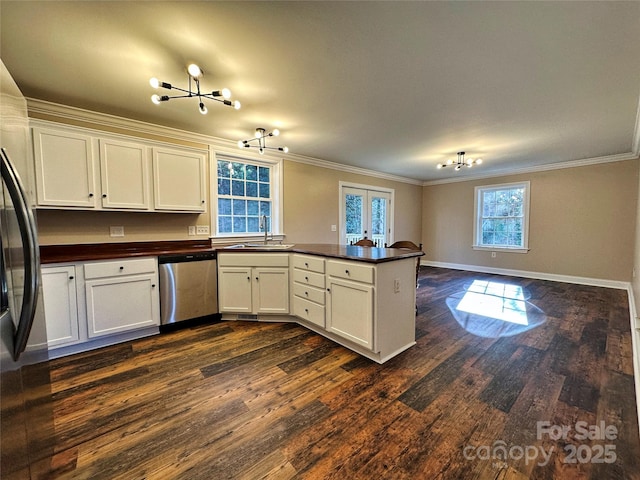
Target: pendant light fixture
<point>195,74</point>
<point>260,137</point>
<point>460,162</point>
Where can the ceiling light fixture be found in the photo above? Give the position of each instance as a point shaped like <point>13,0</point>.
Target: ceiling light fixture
<point>195,74</point>
<point>260,137</point>
<point>461,162</point>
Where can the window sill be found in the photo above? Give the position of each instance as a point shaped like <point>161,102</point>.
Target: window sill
<point>500,249</point>
<point>222,239</point>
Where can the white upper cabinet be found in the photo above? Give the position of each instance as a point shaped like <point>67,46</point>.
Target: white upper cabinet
<point>65,163</point>
<point>179,180</point>
<point>124,175</point>
<point>83,169</point>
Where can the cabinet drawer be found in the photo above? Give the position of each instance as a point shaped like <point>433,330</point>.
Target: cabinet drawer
<point>309,311</point>
<point>309,293</point>
<point>119,268</point>
<point>351,271</point>
<point>253,259</point>
<point>308,262</point>
<point>308,278</point>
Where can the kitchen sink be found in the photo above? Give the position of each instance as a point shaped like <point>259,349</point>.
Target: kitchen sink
<point>262,246</point>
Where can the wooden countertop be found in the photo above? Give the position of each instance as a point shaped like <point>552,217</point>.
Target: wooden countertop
<point>104,251</point>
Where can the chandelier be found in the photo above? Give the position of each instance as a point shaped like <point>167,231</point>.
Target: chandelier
<point>195,74</point>
<point>461,162</point>
<point>260,137</point>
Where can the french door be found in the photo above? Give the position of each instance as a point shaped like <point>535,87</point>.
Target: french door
<point>365,213</point>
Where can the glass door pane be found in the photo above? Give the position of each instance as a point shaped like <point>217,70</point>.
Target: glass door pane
<point>366,214</point>
<point>353,203</point>
<point>379,215</point>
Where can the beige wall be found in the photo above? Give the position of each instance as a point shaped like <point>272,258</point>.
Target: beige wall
<point>57,227</point>
<point>582,222</point>
<point>312,203</point>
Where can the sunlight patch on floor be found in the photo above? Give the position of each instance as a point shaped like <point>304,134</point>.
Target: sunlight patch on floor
<point>494,309</point>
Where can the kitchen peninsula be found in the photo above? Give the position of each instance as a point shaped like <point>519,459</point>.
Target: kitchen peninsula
<point>362,298</point>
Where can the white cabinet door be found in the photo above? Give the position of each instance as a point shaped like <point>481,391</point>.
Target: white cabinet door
<point>350,311</point>
<point>65,163</point>
<point>118,304</point>
<point>270,290</point>
<point>60,305</point>
<point>124,175</point>
<point>179,180</point>
<point>234,289</point>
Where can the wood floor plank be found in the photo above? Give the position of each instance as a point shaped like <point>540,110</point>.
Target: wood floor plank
<point>257,400</point>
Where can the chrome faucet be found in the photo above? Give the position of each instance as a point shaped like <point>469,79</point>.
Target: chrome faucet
<point>263,224</point>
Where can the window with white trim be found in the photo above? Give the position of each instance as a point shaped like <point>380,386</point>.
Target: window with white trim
<point>246,190</point>
<point>502,217</point>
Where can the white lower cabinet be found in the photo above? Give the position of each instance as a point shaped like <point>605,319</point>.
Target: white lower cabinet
<point>369,308</point>
<point>253,283</point>
<point>235,289</point>
<point>350,311</point>
<point>270,290</point>
<point>84,302</point>
<point>309,289</point>
<point>60,305</point>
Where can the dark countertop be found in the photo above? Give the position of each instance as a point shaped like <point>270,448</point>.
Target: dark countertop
<point>104,251</point>
<point>346,252</point>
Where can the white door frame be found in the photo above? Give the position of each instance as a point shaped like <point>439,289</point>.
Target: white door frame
<point>370,189</point>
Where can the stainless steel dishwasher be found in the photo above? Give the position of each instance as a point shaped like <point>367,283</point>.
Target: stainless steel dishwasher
<point>188,286</point>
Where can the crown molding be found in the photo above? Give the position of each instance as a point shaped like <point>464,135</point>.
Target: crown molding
<point>539,168</point>
<point>74,114</point>
<point>351,169</point>
<point>64,112</point>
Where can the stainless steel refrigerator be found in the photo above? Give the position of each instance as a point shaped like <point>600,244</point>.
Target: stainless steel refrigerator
<point>26,416</point>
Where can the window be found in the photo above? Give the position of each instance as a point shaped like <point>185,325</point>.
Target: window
<point>502,217</point>
<point>246,193</point>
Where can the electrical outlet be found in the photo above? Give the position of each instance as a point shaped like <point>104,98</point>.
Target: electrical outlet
<point>202,229</point>
<point>334,228</point>
<point>396,285</point>
<point>493,254</point>
<point>116,231</point>
<point>192,230</point>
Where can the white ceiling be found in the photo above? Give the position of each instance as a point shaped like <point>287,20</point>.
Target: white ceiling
<point>391,86</point>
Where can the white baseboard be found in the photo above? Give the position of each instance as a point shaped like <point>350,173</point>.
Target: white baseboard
<point>594,282</point>
<point>635,346</point>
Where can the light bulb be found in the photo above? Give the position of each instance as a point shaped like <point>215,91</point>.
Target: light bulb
<point>236,105</point>
<point>449,162</point>
<point>285,149</point>
<point>203,109</point>
<point>439,166</point>
<point>226,93</point>
<point>258,133</point>
<point>154,82</point>
<point>240,144</point>
<point>479,161</point>
<point>275,133</point>
<point>155,98</point>
<point>194,70</point>
<point>457,167</point>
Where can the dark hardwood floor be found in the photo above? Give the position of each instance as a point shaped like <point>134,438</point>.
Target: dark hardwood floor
<point>240,400</point>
